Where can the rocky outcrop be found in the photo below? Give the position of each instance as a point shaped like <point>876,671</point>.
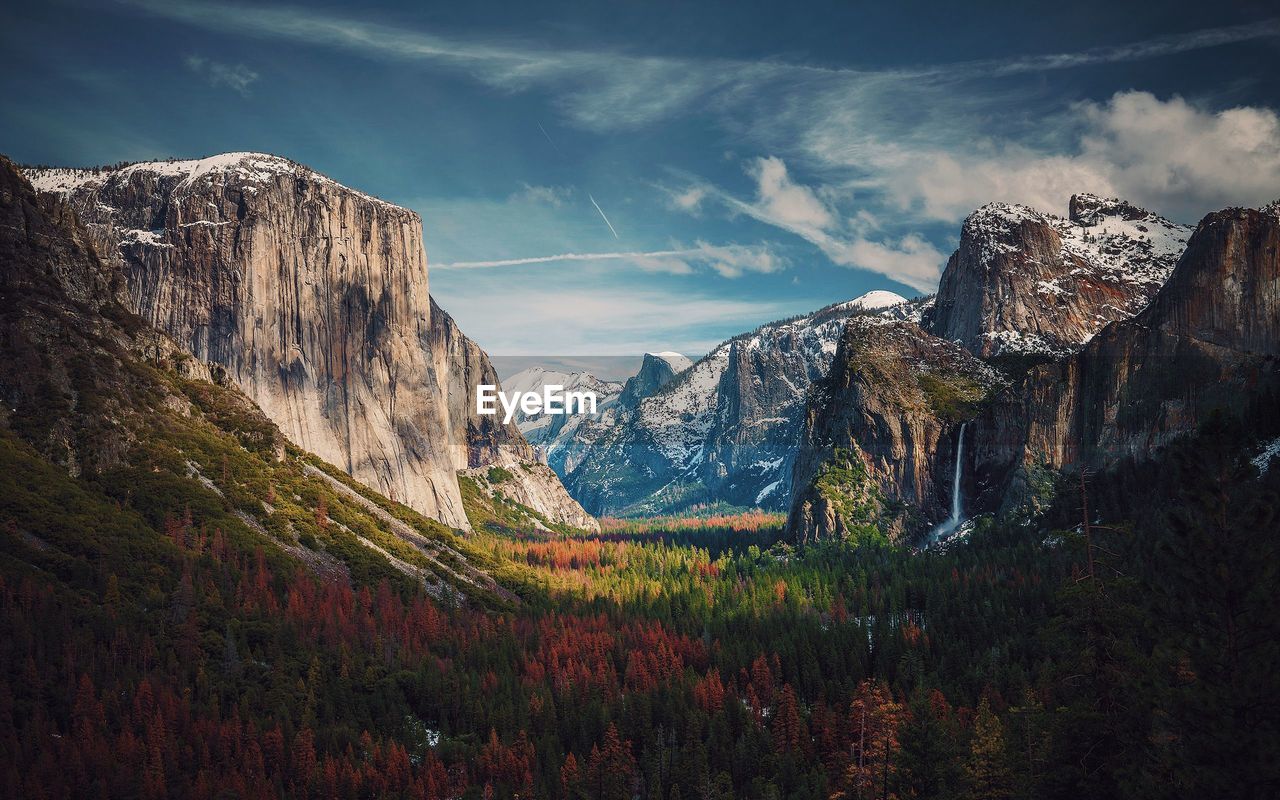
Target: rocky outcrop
<point>656,370</point>
<point>880,432</point>
<point>314,299</point>
<point>1210,341</point>
<point>534,492</point>
<point>68,382</point>
<point>1187,338</point>
<point>724,430</point>
<point>1023,282</point>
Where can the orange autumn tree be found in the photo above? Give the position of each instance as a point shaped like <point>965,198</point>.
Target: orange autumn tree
<point>873,723</point>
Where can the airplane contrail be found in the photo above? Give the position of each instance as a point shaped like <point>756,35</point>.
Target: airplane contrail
<point>547,136</point>
<point>602,216</point>
<point>516,262</point>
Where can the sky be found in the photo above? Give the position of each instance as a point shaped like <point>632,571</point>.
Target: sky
<point>611,178</point>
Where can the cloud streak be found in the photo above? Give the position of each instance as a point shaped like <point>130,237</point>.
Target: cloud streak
<point>729,261</point>
<point>236,77</point>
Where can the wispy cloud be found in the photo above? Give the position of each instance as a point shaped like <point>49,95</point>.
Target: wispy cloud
<point>1134,51</point>
<point>797,209</point>
<point>611,89</point>
<point>597,320</point>
<point>729,261</point>
<point>554,196</point>
<point>236,77</point>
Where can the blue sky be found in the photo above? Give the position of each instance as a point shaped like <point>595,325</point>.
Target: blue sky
<point>752,160</point>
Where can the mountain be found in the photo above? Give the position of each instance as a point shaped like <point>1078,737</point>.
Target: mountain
<point>313,299</point>
<point>120,453</point>
<point>879,440</point>
<point>549,432</point>
<point>723,430</point>
<point>656,371</point>
<point>1023,282</point>
<point>1208,343</point>
<point>1141,351</point>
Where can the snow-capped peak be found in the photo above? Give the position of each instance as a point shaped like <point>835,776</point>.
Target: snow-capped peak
<point>677,361</point>
<point>534,378</point>
<point>878,298</point>
<point>246,167</point>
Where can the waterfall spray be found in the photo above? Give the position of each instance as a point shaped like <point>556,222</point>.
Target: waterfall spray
<point>952,522</point>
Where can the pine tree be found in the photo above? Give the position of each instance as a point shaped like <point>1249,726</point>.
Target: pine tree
<point>929,759</point>
<point>986,772</point>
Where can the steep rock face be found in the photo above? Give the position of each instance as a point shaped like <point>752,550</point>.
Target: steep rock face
<point>880,431</point>
<point>474,439</point>
<point>656,371</point>
<point>68,380</point>
<point>314,298</point>
<point>96,390</point>
<point>724,430</point>
<point>1026,282</point>
<point>1209,341</point>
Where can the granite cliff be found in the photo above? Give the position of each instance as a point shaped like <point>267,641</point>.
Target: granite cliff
<point>1024,282</point>
<point>158,454</point>
<point>1209,341</point>
<point>313,298</point>
<point>879,438</point>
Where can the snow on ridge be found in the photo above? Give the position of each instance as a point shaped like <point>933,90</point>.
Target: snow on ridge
<point>1269,452</point>
<point>533,379</point>
<point>681,415</point>
<point>874,300</point>
<point>250,167</point>
<point>677,361</point>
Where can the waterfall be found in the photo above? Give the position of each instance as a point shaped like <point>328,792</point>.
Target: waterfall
<point>951,523</point>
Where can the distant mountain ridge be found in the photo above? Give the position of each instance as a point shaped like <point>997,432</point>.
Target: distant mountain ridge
<point>722,430</point>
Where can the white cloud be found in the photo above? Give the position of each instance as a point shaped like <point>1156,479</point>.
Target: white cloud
<point>1170,152</point>
<point>1167,155</point>
<point>793,207</point>
<point>236,77</point>
<point>554,196</point>
<point>735,260</point>
<point>781,199</point>
<point>689,199</point>
<point>595,320</point>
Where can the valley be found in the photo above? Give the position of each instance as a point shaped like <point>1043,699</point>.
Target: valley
<point>261,540</point>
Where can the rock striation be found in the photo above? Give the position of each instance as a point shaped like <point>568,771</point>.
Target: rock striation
<point>314,299</point>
